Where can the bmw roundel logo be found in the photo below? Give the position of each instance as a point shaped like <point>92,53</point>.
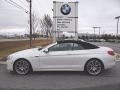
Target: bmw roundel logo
<point>65,9</point>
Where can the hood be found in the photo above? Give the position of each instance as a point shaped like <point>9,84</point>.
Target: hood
<point>27,52</point>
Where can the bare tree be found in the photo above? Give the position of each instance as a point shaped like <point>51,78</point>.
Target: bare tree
<point>46,25</point>
<point>34,24</point>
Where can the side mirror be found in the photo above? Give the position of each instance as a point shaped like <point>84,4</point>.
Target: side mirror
<point>46,51</point>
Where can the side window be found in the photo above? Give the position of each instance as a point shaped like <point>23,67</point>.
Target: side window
<point>77,46</point>
<point>54,48</point>
<point>88,45</point>
<point>61,47</point>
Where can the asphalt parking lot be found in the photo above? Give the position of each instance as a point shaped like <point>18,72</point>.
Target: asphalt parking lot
<point>114,45</point>
<point>108,80</point>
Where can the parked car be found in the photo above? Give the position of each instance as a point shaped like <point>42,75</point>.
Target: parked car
<point>64,55</point>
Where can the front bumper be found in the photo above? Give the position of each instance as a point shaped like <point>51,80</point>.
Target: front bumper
<point>9,65</point>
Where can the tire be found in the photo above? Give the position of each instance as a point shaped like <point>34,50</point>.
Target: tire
<point>22,67</point>
<point>94,67</point>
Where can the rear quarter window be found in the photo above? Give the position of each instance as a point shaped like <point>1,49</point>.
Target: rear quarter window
<point>86,45</point>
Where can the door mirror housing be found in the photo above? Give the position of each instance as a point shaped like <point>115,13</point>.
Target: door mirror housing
<point>46,51</point>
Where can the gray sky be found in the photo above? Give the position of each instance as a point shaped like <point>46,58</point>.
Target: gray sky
<point>91,13</point>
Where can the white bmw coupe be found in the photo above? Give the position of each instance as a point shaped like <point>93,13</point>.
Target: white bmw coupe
<point>66,55</point>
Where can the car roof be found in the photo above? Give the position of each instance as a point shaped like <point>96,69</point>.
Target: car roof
<point>70,41</point>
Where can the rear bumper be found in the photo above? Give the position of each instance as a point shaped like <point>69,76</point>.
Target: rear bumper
<point>109,63</point>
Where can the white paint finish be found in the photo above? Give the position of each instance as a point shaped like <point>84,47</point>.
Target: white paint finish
<point>61,60</point>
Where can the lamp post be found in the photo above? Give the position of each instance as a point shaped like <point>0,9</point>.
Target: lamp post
<point>117,26</point>
<point>26,11</point>
<point>94,31</point>
<point>30,16</point>
<point>30,23</point>
<point>99,33</point>
<point>99,30</point>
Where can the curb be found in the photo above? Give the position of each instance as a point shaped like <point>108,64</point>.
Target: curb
<point>2,62</point>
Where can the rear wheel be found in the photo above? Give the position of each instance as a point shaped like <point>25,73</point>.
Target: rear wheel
<point>94,67</point>
<point>22,67</point>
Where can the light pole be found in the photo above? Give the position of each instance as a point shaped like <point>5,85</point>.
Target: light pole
<point>99,31</point>
<point>30,16</point>
<point>30,23</point>
<point>26,11</point>
<point>94,31</point>
<point>117,25</point>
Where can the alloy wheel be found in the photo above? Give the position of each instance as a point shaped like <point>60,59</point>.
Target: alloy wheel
<point>22,67</point>
<point>94,67</point>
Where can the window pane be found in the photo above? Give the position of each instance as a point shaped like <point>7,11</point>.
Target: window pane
<point>66,46</point>
<point>88,45</point>
<point>54,48</point>
<point>61,47</point>
<point>77,47</point>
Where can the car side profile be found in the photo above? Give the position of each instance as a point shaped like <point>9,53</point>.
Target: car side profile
<point>64,55</point>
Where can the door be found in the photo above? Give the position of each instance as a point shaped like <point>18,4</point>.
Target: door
<point>58,57</point>
<point>79,56</point>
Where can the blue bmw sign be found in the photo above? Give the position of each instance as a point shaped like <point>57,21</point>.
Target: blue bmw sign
<point>65,9</point>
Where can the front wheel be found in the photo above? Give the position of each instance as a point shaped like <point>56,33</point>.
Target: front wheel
<point>94,67</point>
<point>22,67</point>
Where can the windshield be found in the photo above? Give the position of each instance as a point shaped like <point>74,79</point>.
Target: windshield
<point>40,48</point>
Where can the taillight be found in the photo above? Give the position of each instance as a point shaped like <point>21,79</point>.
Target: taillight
<point>111,53</point>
